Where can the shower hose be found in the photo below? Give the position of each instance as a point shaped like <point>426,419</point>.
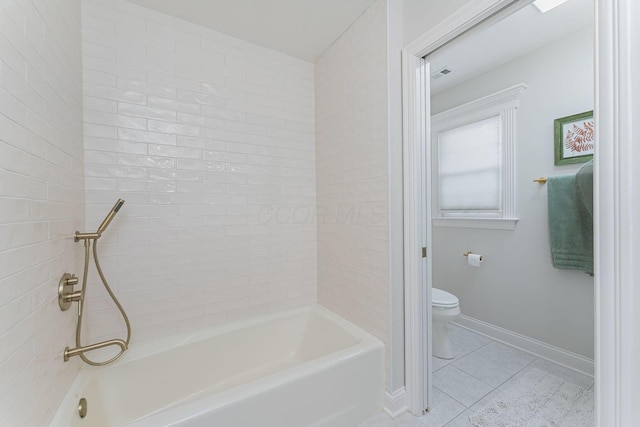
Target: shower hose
<point>81,305</point>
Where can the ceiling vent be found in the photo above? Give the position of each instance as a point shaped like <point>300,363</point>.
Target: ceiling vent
<point>441,73</point>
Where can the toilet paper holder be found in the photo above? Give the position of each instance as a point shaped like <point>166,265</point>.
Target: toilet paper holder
<point>469,253</point>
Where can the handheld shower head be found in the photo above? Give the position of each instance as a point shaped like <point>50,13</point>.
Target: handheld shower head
<point>114,210</point>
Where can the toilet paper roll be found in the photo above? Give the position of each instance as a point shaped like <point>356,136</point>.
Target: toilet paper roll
<point>474,260</point>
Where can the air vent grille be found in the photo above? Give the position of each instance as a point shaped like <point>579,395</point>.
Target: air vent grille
<point>441,73</point>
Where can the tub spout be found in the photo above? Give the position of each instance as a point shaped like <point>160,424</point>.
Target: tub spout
<point>70,352</point>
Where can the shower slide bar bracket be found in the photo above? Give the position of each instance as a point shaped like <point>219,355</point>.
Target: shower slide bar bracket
<point>86,236</point>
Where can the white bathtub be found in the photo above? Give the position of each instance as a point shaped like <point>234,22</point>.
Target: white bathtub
<point>304,367</point>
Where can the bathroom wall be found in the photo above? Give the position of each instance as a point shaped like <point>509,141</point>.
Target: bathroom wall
<point>517,287</point>
<point>419,16</point>
<point>210,140</point>
<point>41,202</point>
<point>352,174</point>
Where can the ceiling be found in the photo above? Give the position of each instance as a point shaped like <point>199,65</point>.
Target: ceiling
<point>525,31</point>
<point>301,28</point>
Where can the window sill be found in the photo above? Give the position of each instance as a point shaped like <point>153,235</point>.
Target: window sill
<point>486,223</point>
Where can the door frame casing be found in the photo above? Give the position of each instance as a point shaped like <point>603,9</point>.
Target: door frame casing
<point>617,213</point>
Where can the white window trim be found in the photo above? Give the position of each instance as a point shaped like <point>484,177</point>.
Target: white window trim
<point>486,223</point>
<point>503,103</point>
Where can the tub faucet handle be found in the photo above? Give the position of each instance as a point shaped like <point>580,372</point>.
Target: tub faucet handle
<point>73,296</point>
<point>71,281</point>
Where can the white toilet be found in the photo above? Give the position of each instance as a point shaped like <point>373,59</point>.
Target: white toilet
<point>446,308</point>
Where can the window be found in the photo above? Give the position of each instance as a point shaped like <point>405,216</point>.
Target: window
<point>474,162</point>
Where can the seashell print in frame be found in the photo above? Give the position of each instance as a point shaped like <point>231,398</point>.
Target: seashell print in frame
<point>574,138</point>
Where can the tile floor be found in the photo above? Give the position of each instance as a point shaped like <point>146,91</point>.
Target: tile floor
<point>480,369</point>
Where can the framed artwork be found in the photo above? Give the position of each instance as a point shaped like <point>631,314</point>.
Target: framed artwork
<point>574,138</point>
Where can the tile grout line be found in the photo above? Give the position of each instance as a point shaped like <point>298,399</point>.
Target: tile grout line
<point>507,379</point>
<point>448,395</point>
<point>503,383</point>
<point>493,388</point>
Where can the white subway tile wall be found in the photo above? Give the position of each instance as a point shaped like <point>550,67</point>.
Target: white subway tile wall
<point>352,174</point>
<point>41,202</point>
<point>211,142</point>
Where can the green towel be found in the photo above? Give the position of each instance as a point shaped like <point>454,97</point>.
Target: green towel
<point>584,186</point>
<point>570,225</point>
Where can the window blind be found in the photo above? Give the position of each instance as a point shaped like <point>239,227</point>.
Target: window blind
<point>469,167</point>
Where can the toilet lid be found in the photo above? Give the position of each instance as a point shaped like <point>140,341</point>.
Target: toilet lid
<point>442,298</point>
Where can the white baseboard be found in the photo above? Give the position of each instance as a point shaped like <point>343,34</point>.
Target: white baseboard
<point>538,348</point>
<point>395,404</point>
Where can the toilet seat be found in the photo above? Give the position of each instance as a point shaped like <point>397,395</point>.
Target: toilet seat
<point>444,299</point>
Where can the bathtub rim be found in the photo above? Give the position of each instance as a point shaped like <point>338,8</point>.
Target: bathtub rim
<point>168,342</point>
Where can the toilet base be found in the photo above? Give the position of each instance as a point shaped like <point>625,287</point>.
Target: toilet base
<point>441,343</point>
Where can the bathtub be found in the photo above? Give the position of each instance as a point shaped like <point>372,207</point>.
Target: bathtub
<point>304,367</point>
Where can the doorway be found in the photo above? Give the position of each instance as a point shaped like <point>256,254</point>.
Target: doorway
<point>418,392</point>
<point>495,95</point>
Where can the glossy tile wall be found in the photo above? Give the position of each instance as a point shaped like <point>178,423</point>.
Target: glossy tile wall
<point>352,175</point>
<point>210,140</point>
<point>41,201</point>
